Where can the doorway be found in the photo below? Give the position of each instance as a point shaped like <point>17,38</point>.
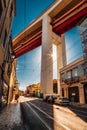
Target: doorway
<point>85,92</point>
<point>73,93</point>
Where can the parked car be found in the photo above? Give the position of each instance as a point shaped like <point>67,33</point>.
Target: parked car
<point>45,97</point>
<point>62,101</point>
<point>51,98</point>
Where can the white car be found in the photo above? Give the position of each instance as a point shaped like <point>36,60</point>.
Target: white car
<point>62,101</point>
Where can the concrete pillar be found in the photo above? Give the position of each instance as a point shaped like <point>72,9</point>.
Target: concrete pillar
<point>65,92</point>
<point>63,50</point>
<point>46,59</point>
<point>61,60</point>
<point>58,64</point>
<point>81,94</point>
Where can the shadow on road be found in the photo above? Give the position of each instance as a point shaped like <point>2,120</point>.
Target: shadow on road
<point>34,116</point>
<point>81,112</point>
<point>39,115</point>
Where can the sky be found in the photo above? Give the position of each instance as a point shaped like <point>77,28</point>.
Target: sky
<point>29,65</point>
<point>26,12</point>
<point>73,45</point>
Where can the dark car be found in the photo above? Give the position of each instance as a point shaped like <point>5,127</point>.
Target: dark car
<point>51,98</point>
<point>45,97</point>
<point>62,101</point>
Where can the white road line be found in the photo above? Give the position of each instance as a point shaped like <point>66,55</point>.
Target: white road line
<point>39,117</point>
<point>58,122</point>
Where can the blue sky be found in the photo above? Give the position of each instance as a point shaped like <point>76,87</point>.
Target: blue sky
<point>73,45</point>
<point>29,65</point>
<point>26,12</point>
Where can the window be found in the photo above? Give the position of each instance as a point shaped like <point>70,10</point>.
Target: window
<point>63,92</point>
<point>55,88</point>
<point>0,9</point>
<point>69,74</point>
<point>85,70</point>
<point>5,35</point>
<point>62,77</point>
<point>4,1</point>
<point>75,73</point>
<point>9,69</point>
<point>11,10</point>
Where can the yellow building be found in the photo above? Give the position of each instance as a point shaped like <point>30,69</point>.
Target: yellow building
<point>7,12</point>
<point>33,89</point>
<point>13,89</point>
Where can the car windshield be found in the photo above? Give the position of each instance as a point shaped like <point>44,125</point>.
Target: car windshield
<point>65,99</point>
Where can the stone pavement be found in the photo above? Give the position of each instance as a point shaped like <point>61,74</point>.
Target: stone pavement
<point>11,118</point>
<point>80,106</point>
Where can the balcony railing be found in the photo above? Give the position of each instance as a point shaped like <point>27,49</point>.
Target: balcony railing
<point>83,78</point>
<point>70,80</point>
<point>74,80</point>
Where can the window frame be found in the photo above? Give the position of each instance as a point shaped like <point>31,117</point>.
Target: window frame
<point>1,9</point>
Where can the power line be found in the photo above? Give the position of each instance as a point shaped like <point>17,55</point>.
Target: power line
<point>50,49</point>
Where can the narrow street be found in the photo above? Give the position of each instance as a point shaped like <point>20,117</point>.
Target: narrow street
<point>34,114</point>
<point>43,60</point>
<point>55,117</point>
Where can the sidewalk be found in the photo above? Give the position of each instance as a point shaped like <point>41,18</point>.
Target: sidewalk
<point>11,118</point>
<point>80,106</point>
<point>3,105</point>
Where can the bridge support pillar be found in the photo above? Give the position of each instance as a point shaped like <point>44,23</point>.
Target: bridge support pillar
<point>61,56</point>
<point>46,59</point>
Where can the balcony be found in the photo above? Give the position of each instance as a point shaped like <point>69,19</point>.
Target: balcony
<point>76,79</point>
<point>70,80</point>
<point>83,79</point>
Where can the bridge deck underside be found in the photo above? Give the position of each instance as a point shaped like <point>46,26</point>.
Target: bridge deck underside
<point>60,25</point>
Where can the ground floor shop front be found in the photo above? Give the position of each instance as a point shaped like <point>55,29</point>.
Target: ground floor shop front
<point>76,92</point>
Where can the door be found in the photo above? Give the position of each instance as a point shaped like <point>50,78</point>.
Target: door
<point>73,94</point>
<point>85,92</point>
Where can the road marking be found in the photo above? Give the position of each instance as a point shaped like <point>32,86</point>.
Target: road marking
<point>38,116</point>
<point>58,122</point>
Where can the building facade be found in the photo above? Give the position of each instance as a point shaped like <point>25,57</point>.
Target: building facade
<point>7,12</point>
<point>74,75</point>
<point>33,89</point>
<point>74,81</point>
<point>14,85</point>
